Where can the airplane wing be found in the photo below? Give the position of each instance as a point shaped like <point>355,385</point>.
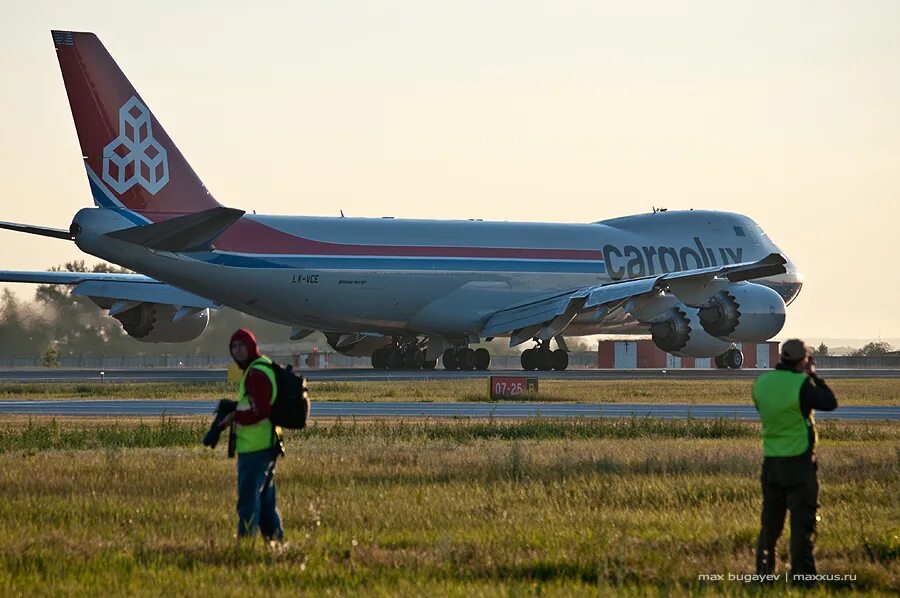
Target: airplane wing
<point>125,290</point>
<point>546,317</point>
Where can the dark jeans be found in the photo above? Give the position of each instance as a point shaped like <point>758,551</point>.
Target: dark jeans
<point>788,484</point>
<point>256,495</point>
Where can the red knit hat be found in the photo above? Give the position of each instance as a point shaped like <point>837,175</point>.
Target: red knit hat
<point>246,337</point>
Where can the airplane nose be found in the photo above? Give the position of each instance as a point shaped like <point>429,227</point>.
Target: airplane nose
<point>790,291</point>
<point>787,285</point>
<point>790,283</point>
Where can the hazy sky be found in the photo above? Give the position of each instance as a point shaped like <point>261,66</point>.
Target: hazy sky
<point>509,110</point>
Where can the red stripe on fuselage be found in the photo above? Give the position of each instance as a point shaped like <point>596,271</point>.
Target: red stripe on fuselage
<point>250,236</point>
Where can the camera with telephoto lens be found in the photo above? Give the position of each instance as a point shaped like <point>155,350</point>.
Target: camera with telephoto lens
<point>225,408</point>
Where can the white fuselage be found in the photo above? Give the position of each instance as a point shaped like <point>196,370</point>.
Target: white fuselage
<point>444,278</point>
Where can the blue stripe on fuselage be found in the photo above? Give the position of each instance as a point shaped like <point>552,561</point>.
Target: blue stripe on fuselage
<point>103,201</point>
<point>331,262</point>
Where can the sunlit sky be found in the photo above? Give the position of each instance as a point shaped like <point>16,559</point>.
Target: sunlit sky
<point>568,111</point>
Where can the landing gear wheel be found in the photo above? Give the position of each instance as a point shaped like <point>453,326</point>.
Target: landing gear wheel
<point>544,360</point>
<point>529,359</point>
<point>560,360</point>
<point>720,361</point>
<point>414,359</point>
<point>429,364</point>
<point>466,359</point>
<point>734,359</point>
<point>396,359</point>
<point>482,359</point>
<point>380,359</point>
<point>449,359</point>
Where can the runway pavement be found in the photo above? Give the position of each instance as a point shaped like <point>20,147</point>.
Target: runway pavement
<point>368,375</point>
<point>332,409</point>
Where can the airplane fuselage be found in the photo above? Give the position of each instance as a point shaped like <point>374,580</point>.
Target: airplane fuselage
<point>405,277</point>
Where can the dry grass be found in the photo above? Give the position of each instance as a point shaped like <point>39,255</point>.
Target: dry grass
<point>455,508</point>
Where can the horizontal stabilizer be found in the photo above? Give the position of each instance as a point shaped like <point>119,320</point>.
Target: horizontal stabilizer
<point>183,234</point>
<point>56,233</point>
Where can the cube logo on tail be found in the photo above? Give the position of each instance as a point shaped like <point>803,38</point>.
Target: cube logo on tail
<point>135,157</point>
<point>131,161</point>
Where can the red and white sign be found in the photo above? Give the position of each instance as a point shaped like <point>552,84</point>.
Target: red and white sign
<point>512,386</point>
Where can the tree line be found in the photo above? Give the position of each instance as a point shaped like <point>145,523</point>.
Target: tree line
<point>873,349</point>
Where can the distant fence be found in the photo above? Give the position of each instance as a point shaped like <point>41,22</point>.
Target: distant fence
<point>99,362</point>
<point>315,360</point>
<point>888,361</point>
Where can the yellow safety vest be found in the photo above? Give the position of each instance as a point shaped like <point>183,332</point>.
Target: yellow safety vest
<point>262,434</point>
<point>785,431</point>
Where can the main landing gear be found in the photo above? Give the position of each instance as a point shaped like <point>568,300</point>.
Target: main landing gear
<point>464,358</point>
<point>409,354</point>
<point>542,358</point>
<point>730,359</point>
<point>402,356</point>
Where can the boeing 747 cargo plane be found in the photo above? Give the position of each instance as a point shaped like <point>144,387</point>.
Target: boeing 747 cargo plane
<point>405,292</point>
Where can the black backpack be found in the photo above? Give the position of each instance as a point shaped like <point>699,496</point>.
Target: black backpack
<point>291,406</point>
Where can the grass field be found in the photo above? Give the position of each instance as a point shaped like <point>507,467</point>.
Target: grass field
<point>849,391</point>
<point>639,507</point>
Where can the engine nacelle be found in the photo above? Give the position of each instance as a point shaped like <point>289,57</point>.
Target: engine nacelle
<point>744,312</point>
<point>681,334</point>
<point>152,323</point>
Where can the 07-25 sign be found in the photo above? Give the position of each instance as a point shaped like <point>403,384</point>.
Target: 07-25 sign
<point>512,386</point>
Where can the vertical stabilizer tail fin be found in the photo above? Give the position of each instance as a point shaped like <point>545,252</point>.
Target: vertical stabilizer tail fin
<point>131,162</point>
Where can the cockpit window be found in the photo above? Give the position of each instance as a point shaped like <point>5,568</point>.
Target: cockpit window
<point>739,231</point>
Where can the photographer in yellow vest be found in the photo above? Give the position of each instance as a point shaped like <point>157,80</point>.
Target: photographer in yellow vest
<point>785,399</point>
<point>257,441</point>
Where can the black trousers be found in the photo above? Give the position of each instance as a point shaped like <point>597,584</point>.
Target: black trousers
<point>788,484</point>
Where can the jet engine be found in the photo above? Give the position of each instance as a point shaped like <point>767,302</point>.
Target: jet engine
<point>744,312</point>
<point>153,323</point>
<point>679,332</point>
